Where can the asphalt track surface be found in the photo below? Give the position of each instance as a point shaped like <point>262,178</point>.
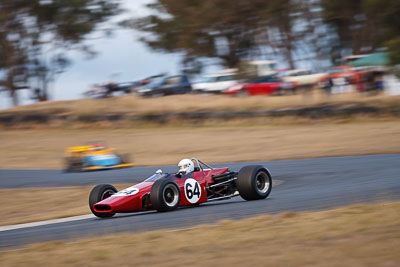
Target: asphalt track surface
<point>304,185</point>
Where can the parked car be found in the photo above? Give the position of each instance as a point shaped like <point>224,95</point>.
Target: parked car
<point>340,79</point>
<point>266,85</point>
<point>302,77</point>
<point>215,83</point>
<point>126,87</point>
<point>178,84</point>
<point>346,72</point>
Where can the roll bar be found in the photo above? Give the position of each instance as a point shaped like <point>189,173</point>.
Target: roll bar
<point>200,164</point>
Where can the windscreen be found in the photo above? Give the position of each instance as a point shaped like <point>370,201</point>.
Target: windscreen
<point>155,82</point>
<point>157,176</point>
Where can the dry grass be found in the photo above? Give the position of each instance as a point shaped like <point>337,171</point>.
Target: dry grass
<point>167,145</point>
<point>36,204</point>
<point>353,236</point>
<point>189,103</point>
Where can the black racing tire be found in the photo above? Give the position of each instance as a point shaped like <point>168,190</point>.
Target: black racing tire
<point>254,182</point>
<point>125,158</point>
<point>67,164</point>
<point>158,94</point>
<point>73,164</point>
<point>165,195</point>
<point>243,93</point>
<point>99,193</point>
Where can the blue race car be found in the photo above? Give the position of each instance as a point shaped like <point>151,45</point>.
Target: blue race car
<point>94,157</point>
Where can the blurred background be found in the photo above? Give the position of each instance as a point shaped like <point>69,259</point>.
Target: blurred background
<point>308,88</point>
<point>57,50</point>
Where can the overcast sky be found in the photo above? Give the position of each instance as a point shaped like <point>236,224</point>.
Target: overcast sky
<point>120,58</point>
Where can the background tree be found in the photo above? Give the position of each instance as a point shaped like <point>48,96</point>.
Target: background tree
<point>35,36</point>
<point>364,26</point>
<point>231,31</point>
<point>288,30</point>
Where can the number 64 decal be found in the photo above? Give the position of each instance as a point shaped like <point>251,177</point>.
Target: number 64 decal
<point>192,190</point>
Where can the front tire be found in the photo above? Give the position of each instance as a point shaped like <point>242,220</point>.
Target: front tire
<point>99,193</point>
<point>165,195</point>
<point>254,182</point>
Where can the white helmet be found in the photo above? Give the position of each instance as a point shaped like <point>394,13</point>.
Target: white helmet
<point>185,166</point>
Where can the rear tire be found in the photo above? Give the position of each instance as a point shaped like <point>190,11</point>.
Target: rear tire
<point>67,164</point>
<point>243,93</point>
<point>99,193</point>
<point>73,164</point>
<point>165,195</point>
<point>254,182</point>
<point>125,158</point>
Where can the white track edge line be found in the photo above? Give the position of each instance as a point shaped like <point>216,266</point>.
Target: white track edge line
<point>40,223</point>
<point>73,218</point>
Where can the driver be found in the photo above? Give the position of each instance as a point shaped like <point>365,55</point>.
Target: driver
<point>98,147</point>
<point>186,166</point>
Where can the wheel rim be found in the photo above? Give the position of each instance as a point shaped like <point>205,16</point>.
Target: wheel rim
<point>243,93</point>
<point>107,193</point>
<point>262,182</point>
<point>170,195</point>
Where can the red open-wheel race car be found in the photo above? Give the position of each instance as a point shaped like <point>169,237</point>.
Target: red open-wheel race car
<point>168,191</point>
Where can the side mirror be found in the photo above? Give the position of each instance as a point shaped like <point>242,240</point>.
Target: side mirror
<point>159,171</point>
